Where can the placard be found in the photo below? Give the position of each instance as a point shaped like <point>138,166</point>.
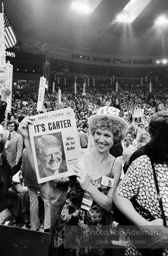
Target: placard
<point>55,144</point>
<point>41,93</point>
<point>138,113</point>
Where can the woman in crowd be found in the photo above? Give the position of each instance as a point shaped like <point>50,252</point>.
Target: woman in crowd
<point>142,196</point>
<point>144,138</point>
<point>90,193</point>
<point>128,147</point>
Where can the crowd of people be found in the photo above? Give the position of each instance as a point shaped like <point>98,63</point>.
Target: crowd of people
<point>121,177</point>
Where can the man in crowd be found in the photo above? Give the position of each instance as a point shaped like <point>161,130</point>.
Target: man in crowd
<point>83,136</point>
<point>13,146</point>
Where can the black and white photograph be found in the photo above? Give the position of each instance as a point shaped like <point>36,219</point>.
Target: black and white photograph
<point>84,127</point>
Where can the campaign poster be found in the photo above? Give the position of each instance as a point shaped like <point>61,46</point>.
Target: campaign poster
<point>55,144</point>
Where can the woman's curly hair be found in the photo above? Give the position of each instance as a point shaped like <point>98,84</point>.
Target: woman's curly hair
<point>106,123</point>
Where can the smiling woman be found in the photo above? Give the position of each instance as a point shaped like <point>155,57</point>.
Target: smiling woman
<point>106,123</point>
<point>103,139</point>
<point>89,202</point>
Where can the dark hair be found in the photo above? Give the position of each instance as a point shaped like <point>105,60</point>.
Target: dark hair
<point>13,122</point>
<point>157,148</point>
<point>85,125</point>
<point>156,120</point>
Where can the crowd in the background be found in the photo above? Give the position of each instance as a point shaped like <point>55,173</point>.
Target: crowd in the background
<point>126,99</point>
<point>136,105</point>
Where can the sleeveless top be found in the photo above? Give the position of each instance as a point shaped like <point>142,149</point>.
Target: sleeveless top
<point>73,216</point>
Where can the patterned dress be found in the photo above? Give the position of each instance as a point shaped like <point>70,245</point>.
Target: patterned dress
<point>139,182</point>
<point>70,235</point>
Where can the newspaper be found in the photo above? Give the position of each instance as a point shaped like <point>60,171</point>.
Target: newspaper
<point>55,144</point>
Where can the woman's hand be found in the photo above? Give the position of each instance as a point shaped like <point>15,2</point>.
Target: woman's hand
<point>23,126</point>
<point>82,177</point>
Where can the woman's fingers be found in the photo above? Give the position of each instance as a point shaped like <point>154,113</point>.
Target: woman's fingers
<point>28,120</point>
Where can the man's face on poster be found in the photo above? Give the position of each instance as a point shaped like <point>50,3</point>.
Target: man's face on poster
<point>53,157</point>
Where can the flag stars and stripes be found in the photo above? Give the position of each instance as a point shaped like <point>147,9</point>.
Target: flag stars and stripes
<point>10,38</point>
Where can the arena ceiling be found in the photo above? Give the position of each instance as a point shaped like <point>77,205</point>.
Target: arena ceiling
<point>55,25</point>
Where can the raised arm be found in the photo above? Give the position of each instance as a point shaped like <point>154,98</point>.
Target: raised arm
<point>23,130</point>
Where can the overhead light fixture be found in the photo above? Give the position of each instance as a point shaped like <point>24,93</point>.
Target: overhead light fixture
<point>81,6</point>
<point>123,18</point>
<point>85,6</point>
<point>132,10</point>
<point>161,20</point>
<point>162,61</point>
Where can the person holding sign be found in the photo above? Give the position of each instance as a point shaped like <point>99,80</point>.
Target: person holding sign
<point>89,200</point>
<point>50,161</point>
<point>49,153</point>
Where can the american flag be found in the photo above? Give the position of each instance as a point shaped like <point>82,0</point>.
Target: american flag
<point>10,38</point>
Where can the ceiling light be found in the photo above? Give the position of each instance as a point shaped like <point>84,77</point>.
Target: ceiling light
<point>85,6</point>
<point>161,21</point>
<point>132,10</point>
<point>164,61</point>
<point>123,18</point>
<point>82,7</point>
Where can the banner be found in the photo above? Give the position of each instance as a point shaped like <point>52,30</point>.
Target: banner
<point>59,95</point>
<point>9,83</point>
<point>2,53</point>
<point>150,87</point>
<point>75,88</point>
<point>41,93</point>
<point>116,86</point>
<point>138,112</point>
<point>55,144</point>
<point>2,42</point>
<point>84,88</point>
<point>2,78</point>
<point>53,87</point>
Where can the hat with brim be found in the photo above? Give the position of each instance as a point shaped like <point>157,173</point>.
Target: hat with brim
<point>112,116</point>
